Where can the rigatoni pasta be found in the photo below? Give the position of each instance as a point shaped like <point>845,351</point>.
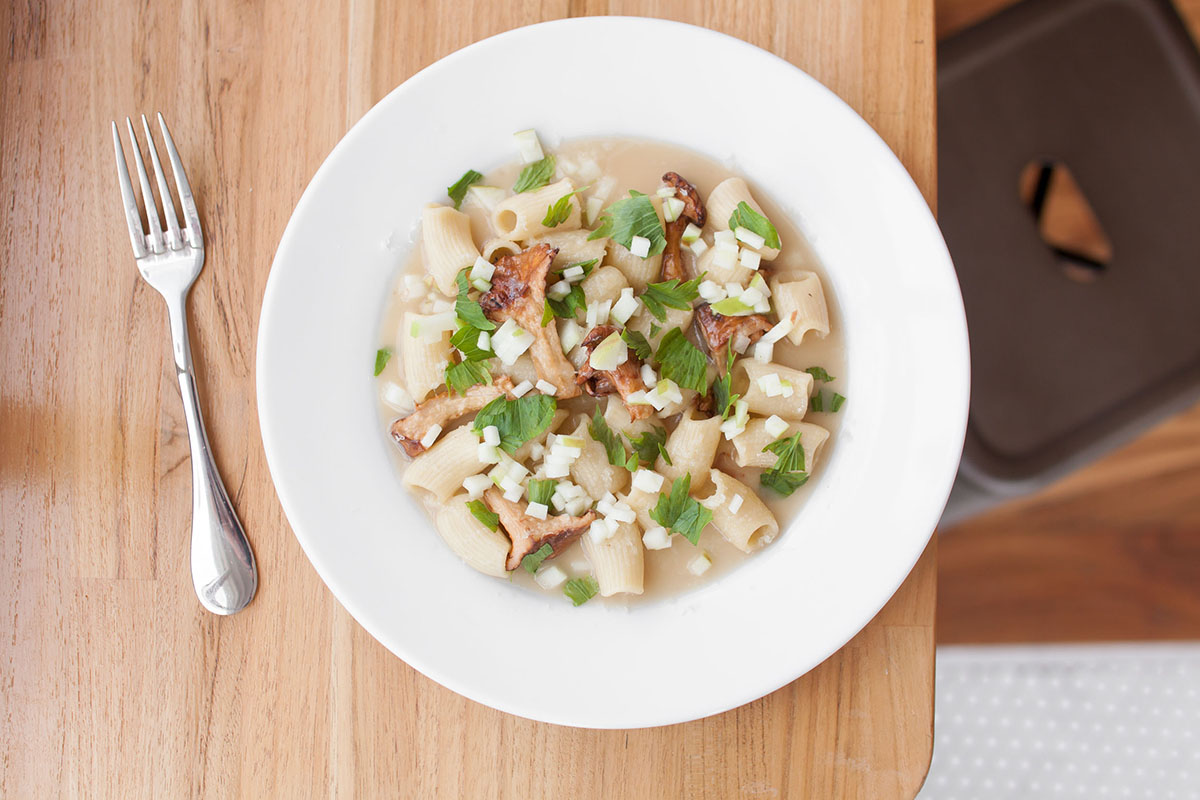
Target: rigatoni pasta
<point>441,469</point>
<point>424,357</point>
<point>772,388</point>
<point>521,216</point>
<point>802,300</point>
<point>481,547</point>
<point>617,562</point>
<point>739,513</point>
<point>447,243</point>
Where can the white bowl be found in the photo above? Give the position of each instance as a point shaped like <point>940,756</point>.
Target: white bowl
<point>774,617</point>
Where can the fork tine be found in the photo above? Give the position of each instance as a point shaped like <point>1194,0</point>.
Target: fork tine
<point>186,202</point>
<point>164,192</point>
<point>156,237</point>
<point>136,236</point>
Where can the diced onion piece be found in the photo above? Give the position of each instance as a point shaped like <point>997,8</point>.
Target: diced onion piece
<point>656,538</point>
<point>550,577</point>
<point>700,564</point>
<point>731,428</point>
<point>666,191</point>
<point>484,341</point>
<point>647,480</point>
<point>528,145</point>
<point>574,274</point>
<point>724,240</point>
<point>751,296</point>
<point>578,505</point>
<point>740,342</point>
<point>514,494</point>
<point>640,246</point>
<point>476,485</point>
<point>510,342</point>
<point>638,398</point>
<point>736,503</point>
<point>557,469</point>
<point>397,398</point>
<point>442,305</point>
<point>604,187</point>
<point>775,426</point>
<point>626,306</point>
<point>788,389</point>
<point>749,237</point>
<point>536,451</point>
<point>749,259</point>
<point>589,170</point>
<point>711,291</point>
<point>621,512</point>
<point>741,411</point>
<point>415,287</point>
<point>672,208</point>
<point>522,389</point>
<point>491,435</point>
<point>691,233</point>
<point>431,435</point>
<point>597,313</point>
<point>482,269</point>
<point>610,353</point>
<point>698,247</point>
<point>487,196</point>
<point>648,376</point>
<point>592,209</point>
<point>488,454</point>
<point>725,259</point>
<point>602,530</point>
<point>770,384</point>
<point>732,307</point>
<point>576,442</point>
<point>664,394</point>
<point>559,289</point>
<point>757,282</point>
<point>481,284</point>
<point>537,510</point>
<point>569,334</point>
<point>432,327</point>
<point>764,352</point>
<point>779,330</point>
<point>546,387</point>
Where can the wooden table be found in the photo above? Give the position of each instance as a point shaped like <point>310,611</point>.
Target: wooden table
<point>114,683</point>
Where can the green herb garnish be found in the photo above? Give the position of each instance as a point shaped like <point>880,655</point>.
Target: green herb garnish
<point>819,374</point>
<point>535,175</point>
<point>722,389</point>
<point>518,420</point>
<point>558,211</point>
<point>611,443</point>
<point>680,513</point>
<point>580,590</point>
<point>637,343</point>
<point>462,376</point>
<point>540,490</point>
<point>647,447</point>
<point>586,266</point>
<point>569,306</point>
<point>458,190</point>
<point>788,473</point>
<point>746,217</point>
<point>468,310</point>
<point>670,293</point>
<point>835,404</point>
<point>679,360</point>
<point>654,329</point>
<point>817,403</point>
<point>466,341</point>
<point>484,514</point>
<point>629,217</point>
<point>382,356</point>
<point>534,560</point>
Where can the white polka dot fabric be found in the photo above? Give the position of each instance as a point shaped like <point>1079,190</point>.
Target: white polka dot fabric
<point>1109,721</point>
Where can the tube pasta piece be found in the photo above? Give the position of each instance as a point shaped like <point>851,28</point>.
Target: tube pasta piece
<point>527,533</point>
<point>641,502</point>
<point>441,409</point>
<point>693,211</point>
<point>737,273</point>
<point>717,330</point>
<point>573,247</point>
<point>752,525</point>
<point>624,380</point>
<point>803,300</point>
<point>441,469</point>
<point>618,418</point>
<point>722,201</point>
<point>637,270</point>
<point>749,444</point>
<point>603,284</point>
<point>482,548</point>
<point>523,452</point>
<point>520,216</point>
<point>692,447</point>
<point>592,470</point>
<point>519,293</point>
<point>746,373</point>
<point>423,362</point>
<point>447,244</point>
<point>496,247</point>
<point>618,562</point>
<point>520,370</point>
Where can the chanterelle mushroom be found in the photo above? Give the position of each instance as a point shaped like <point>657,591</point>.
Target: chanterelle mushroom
<point>693,211</point>
<point>718,330</point>
<point>624,380</point>
<point>519,293</point>
<point>527,533</point>
<point>441,409</point>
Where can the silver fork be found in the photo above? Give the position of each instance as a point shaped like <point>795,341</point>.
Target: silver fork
<point>223,568</point>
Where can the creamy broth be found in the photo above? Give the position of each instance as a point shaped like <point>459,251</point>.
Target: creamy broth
<point>639,165</point>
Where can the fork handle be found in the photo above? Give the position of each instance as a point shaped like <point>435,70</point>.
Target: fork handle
<point>223,569</point>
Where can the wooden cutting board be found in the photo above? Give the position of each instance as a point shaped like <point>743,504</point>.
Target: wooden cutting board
<point>113,682</point>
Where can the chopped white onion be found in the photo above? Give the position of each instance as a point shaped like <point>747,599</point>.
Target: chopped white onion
<point>431,435</point>
<point>510,342</point>
<point>397,398</point>
<point>656,538</point>
<point>482,269</point>
<point>528,145</point>
<point>779,330</point>
<point>640,246</point>
<point>626,306</point>
<point>491,435</point>
<point>602,530</point>
<point>750,259</point>
<point>775,426</point>
<point>546,387</point>
<point>573,274</point>
<point>700,564</point>
<point>514,494</point>
<point>550,577</point>
<point>672,208</point>
<point>648,376</point>
<point>610,353</point>
<point>764,352</point>
<point>712,291</point>
<point>691,233</point>
<point>749,237</point>
<point>647,480</point>
<point>725,259</point>
<point>638,398</point>
<point>592,209</point>
<point>578,505</point>
<point>725,240</point>
<point>476,485</point>
<point>522,389</point>
<point>537,510</point>
<point>488,454</point>
<point>569,334</point>
<point>698,247</point>
<point>736,503</point>
<point>597,313</point>
<point>665,191</point>
<point>559,289</point>
<point>770,384</point>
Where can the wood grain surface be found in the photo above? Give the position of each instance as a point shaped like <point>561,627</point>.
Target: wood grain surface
<point>1110,553</point>
<point>113,682</point>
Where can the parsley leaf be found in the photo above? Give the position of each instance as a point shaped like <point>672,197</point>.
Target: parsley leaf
<point>547,313</point>
<point>558,211</point>
<point>819,374</point>
<point>382,356</point>
<point>817,403</point>
<point>679,360</point>
<point>518,420</point>
<point>569,306</point>
<point>650,445</point>
<point>783,482</point>
<point>670,293</point>
<point>746,217</point>
<point>722,389</point>
<point>586,266</point>
<point>458,190</point>
<point>535,175</point>
<point>580,590</point>
<point>835,404</point>
<point>540,490</point>
<point>465,374</point>
<point>484,514</point>
<point>788,474</point>
<point>681,513</point>
<point>629,217</point>
<point>534,560</point>
<point>466,341</point>
<point>468,310</point>
<point>611,442</point>
<point>636,341</point>
<point>654,329</point>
